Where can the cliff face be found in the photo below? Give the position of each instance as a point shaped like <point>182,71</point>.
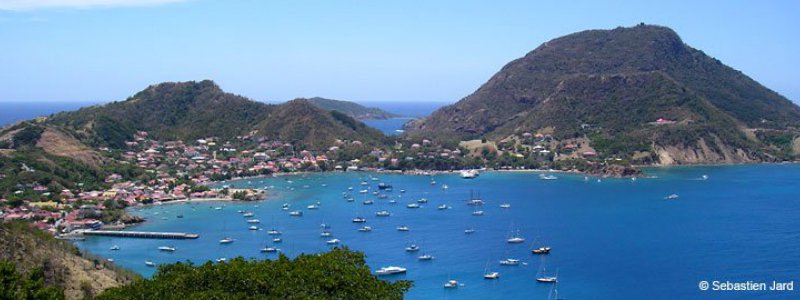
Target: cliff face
<point>613,87</point>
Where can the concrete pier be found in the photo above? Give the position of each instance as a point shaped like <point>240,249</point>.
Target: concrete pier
<point>143,234</point>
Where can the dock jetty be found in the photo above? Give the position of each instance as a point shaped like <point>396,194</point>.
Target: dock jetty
<point>143,234</point>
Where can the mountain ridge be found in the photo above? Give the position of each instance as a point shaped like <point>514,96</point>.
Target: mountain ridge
<point>612,86</point>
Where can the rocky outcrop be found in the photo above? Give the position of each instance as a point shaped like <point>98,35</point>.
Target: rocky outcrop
<point>701,153</point>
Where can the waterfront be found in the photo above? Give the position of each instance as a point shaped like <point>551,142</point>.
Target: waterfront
<point>617,238</point>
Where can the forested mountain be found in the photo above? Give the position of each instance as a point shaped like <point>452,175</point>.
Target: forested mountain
<point>352,109</point>
<point>193,110</point>
<point>612,86</point>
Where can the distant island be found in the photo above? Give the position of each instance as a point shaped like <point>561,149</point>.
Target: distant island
<point>352,109</point>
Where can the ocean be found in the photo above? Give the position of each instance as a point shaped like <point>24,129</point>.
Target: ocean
<point>610,239</point>
<point>12,112</point>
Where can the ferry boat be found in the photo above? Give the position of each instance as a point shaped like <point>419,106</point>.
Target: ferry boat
<point>226,240</point>
<point>390,270</point>
<point>365,229</point>
<point>469,174</point>
<point>167,248</point>
<point>383,213</point>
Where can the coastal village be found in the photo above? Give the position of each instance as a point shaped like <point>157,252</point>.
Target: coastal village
<point>177,171</point>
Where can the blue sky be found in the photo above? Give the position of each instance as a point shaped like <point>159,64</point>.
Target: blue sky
<point>367,51</point>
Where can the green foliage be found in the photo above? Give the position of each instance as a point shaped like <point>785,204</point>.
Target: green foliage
<point>338,274</point>
<point>16,286</point>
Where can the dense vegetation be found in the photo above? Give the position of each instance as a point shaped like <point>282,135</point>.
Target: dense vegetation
<point>16,286</point>
<point>193,110</point>
<point>351,109</point>
<point>338,274</point>
<point>610,85</point>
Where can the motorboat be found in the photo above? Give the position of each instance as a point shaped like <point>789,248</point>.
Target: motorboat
<point>443,206</point>
<point>167,248</point>
<point>412,205</point>
<point>312,206</point>
<point>469,174</point>
<point>333,242</point>
<point>296,213</point>
<point>547,177</point>
<point>425,257</point>
<point>253,227</point>
<point>412,248</point>
<point>383,213</point>
<point>149,263</point>
<point>505,205</point>
<point>384,186</point>
<point>359,220</point>
<point>510,262</point>
<point>277,240</point>
<point>226,240</point>
<point>114,248</point>
<point>254,221</point>
<point>451,284</point>
<point>274,232</point>
<point>269,249</point>
<point>402,228</point>
<point>422,200</point>
<point>326,234</point>
<point>541,250</point>
<point>469,231</point>
<point>365,229</point>
<point>491,275</point>
<point>390,270</point>
<point>368,202</point>
<point>248,214</point>
<point>672,197</point>
<point>477,213</point>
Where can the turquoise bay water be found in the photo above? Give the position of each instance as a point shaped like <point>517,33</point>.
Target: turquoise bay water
<point>615,239</point>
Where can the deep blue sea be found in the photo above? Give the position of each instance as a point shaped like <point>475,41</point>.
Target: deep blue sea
<point>613,239</point>
<point>11,112</point>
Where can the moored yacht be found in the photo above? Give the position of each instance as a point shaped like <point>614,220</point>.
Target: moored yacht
<point>390,270</point>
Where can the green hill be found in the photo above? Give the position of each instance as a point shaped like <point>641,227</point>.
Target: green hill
<point>352,109</point>
<point>610,86</point>
<point>193,110</point>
